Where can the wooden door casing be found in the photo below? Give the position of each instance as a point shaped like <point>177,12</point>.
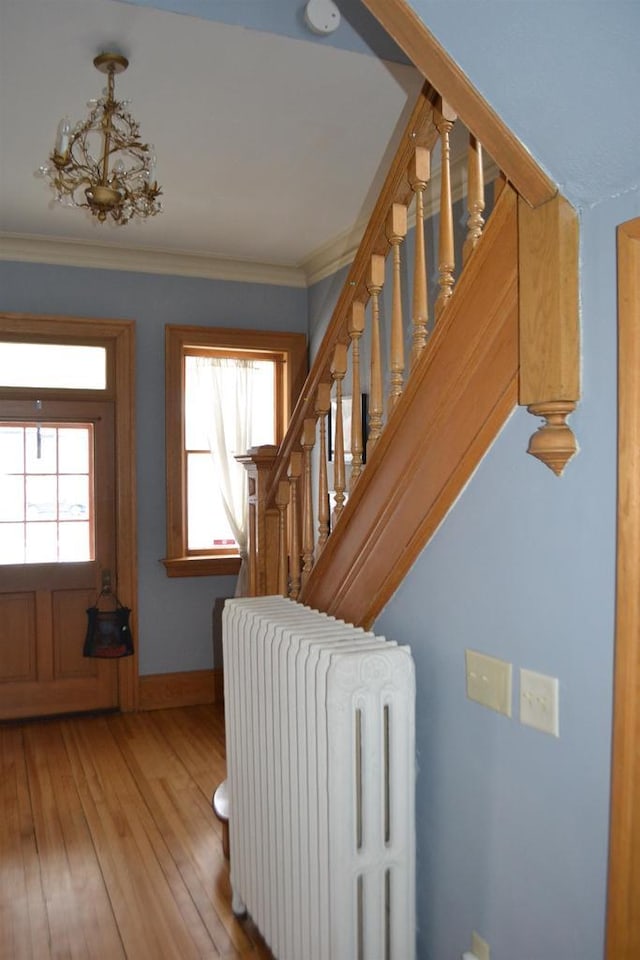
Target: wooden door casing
<point>118,336</point>
<point>623,916</point>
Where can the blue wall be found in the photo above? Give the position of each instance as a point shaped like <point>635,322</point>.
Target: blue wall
<point>562,76</point>
<point>174,615</point>
<point>513,824</point>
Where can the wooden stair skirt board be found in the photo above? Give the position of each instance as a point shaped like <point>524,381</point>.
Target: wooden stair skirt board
<point>462,391</point>
<point>162,690</point>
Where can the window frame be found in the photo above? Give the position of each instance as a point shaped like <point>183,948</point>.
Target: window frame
<point>289,350</point>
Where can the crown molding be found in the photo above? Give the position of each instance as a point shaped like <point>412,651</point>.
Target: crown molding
<point>323,262</point>
<point>71,253</point>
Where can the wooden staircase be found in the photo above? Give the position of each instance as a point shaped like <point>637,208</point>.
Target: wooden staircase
<point>500,329</point>
<point>460,393</point>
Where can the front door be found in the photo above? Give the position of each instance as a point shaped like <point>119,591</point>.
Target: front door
<point>57,543</point>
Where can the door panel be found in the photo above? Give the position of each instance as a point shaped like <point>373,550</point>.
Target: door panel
<point>17,637</point>
<point>43,605</point>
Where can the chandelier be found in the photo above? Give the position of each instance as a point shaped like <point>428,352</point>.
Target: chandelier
<point>101,163</point>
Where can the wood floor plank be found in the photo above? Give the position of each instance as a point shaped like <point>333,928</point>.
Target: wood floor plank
<point>81,921</point>
<point>24,929</point>
<point>109,848</point>
<point>197,735</point>
<point>154,911</point>
<point>184,817</point>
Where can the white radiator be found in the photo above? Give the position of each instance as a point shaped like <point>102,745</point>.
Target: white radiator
<point>321,770</point>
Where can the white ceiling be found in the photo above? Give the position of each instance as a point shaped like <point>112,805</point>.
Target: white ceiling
<point>267,146</point>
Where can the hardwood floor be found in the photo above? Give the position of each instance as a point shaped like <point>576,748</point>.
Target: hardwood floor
<point>109,847</point>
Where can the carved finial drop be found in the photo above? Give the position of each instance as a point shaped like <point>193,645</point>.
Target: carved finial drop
<point>554,442</point>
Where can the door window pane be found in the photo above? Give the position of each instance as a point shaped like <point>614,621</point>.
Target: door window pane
<point>73,451</point>
<point>73,497</point>
<point>12,449</point>
<point>11,498</point>
<point>74,542</point>
<point>42,542</point>
<point>12,543</point>
<point>42,497</point>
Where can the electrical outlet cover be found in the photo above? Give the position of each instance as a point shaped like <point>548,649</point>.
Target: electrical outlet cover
<point>539,701</point>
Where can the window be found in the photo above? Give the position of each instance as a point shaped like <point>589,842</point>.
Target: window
<point>58,366</point>
<point>45,485</point>
<point>225,389</point>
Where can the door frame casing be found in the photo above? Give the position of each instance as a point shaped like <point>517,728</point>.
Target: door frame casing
<point>119,337</point>
<point>623,917</point>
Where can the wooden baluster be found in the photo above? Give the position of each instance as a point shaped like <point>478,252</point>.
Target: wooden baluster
<point>375,282</point>
<point>444,120</point>
<point>294,473</point>
<point>338,371</point>
<point>253,537</point>
<point>475,197</point>
<point>308,442</point>
<point>396,231</point>
<point>419,174</point>
<point>356,329</point>
<point>282,501</point>
<point>323,405</point>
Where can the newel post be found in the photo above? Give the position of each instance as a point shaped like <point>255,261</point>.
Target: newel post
<point>549,326</point>
<point>262,525</point>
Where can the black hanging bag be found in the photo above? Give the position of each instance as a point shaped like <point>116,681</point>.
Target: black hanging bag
<point>108,631</point>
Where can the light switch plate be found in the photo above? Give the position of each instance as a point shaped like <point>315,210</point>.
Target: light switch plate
<point>489,681</point>
<point>539,701</point>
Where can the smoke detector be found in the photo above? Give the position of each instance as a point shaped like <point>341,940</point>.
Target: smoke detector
<point>322,16</point>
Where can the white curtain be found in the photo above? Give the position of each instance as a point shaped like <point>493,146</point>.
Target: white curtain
<point>226,391</point>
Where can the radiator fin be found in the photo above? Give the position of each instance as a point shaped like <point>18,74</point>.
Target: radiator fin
<point>387,779</point>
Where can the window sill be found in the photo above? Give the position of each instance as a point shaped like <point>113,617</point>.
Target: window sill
<point>202,566</point>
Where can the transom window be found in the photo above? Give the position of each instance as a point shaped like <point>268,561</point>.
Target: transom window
<point>227,390</point>
<point>45,493</point>
<point>57,366</point>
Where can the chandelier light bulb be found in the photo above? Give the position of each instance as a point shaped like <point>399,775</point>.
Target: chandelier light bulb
<point>101,163</point>
<point>62,138</point>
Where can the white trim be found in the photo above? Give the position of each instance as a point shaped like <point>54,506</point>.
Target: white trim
<point>72,253</point>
